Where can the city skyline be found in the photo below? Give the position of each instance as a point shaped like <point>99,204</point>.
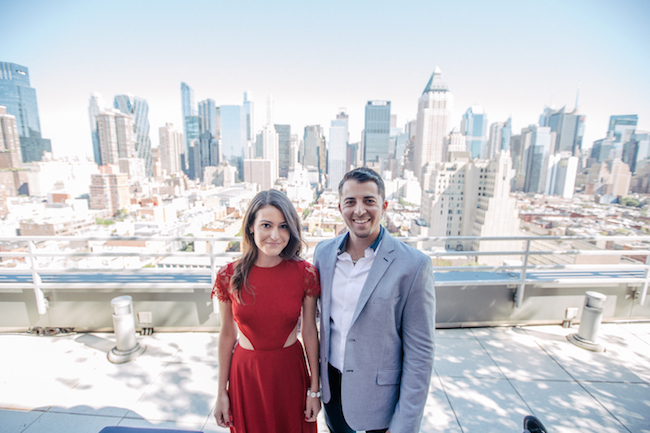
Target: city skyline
<point>513,58</point>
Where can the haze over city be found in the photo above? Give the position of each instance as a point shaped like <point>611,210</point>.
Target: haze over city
<point>513,58</point>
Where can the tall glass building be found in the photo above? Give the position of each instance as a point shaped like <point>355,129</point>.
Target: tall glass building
<point>233,135</point>
<point>189,109</point>
<point>20,99</point>
<point>376,133</point>
<point>539,144</point>
<point>312,141</point>
<point>250,118</point>
<point>474,128</point>
<point>208,117</point>
<point>336,157</point>
<point>284,149</point>
<point>619,124</point>
<point>569,128</point>
<point>95,107</point>
<point>138,108</point>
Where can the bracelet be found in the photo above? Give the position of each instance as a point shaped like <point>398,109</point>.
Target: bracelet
<point>313,394</point>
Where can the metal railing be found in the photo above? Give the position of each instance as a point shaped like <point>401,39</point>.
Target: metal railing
<point>634,271</point>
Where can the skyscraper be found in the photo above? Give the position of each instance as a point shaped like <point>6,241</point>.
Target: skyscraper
<point>96,105</point>
<point>12,179</point>
<point>568,127</point>
<point>138,109</point>
<point>284,148</point>
<point>233,135</point>
<point>270,110</point>
<point>208,117</point>
<point>499,139</point>
<point>10,152</point>
<point>563,168</point>
<point>249,109</point>
<point>20,101</point>
<point>171,146</point>
<point>434,111</point>
<point>337,154</point>
<point>474,128</point>
<point>376,132</point>
<point>619,124</point>
<point>312,142</point>
<point>115,135</point>
<point>539,140</point>
<point>189,109</point>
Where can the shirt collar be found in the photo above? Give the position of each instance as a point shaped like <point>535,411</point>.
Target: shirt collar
<point>374,245</point>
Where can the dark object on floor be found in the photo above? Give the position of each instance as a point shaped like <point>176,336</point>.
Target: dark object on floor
<point>533,425</point>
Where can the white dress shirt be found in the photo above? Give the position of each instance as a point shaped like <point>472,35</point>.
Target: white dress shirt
<point>346,289</point>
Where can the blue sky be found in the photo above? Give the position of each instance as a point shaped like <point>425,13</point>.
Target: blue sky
<point>512,57</point>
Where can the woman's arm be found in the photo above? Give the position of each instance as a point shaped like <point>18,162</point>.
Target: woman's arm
<point>227,339</point>
<point>310,340</point>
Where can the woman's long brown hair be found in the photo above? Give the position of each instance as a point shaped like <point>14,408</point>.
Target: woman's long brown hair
<point>244,265</point>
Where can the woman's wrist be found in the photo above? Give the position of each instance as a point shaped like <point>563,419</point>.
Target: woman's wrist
<point>313,394</point>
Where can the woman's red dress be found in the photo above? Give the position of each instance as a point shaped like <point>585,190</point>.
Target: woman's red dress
<point>268,386</point>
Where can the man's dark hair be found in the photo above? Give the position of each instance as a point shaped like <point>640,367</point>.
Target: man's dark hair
<point>362,175</point>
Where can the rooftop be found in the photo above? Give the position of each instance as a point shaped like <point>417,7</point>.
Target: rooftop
<point>485,380</point>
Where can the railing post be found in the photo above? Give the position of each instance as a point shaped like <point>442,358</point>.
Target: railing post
<point>41,303</point>
<point>519,296</point>
<point>213,276</point>
<point>646,274</point>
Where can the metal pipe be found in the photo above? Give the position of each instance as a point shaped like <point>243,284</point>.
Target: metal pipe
<point>519,296</point>
<point>127,348</point>
<point>592,316</point>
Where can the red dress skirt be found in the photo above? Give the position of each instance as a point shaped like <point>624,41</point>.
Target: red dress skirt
<point>268,386</point>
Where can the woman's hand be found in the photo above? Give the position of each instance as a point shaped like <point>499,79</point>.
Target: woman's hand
<point>312,409</point>
<point>222,411</point>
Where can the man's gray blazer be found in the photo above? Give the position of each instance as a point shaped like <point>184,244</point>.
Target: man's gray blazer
<point>389,351</point>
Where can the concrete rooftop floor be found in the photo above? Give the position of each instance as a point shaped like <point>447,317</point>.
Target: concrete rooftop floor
<point>485,380</point>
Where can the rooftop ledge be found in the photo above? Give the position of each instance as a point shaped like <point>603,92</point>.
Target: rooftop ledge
<point>58,281</point>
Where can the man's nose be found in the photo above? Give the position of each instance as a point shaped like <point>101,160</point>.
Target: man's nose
<point>359,209</point>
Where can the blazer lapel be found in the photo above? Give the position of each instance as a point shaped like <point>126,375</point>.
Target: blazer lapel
<point>380,265</point>
<point>328,265</point>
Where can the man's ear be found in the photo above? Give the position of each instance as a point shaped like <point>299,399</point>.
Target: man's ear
<point>384,206</point>
<point>340,207</point>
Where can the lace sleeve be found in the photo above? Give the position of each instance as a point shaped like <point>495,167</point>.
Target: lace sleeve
<point>311,280</point>
<point>221,287</point>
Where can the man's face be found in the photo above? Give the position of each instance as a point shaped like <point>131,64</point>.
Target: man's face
<point>362,208</point>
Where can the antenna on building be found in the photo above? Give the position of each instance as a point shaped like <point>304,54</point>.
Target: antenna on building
<point>577,96</point>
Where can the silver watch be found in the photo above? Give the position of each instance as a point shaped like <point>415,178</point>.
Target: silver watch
<point>313,394</point>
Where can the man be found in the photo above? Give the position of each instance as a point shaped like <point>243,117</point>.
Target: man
<point>377,318</point>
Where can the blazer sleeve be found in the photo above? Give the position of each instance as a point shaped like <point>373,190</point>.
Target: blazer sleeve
<point>418,326</point>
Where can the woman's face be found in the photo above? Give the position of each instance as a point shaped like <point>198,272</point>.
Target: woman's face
<point>270,231</point>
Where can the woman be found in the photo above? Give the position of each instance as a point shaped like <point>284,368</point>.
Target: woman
<point>264,385</point>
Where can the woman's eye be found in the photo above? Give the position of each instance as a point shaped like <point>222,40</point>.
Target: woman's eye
<point>266,226</point>
<point>284,226</point>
